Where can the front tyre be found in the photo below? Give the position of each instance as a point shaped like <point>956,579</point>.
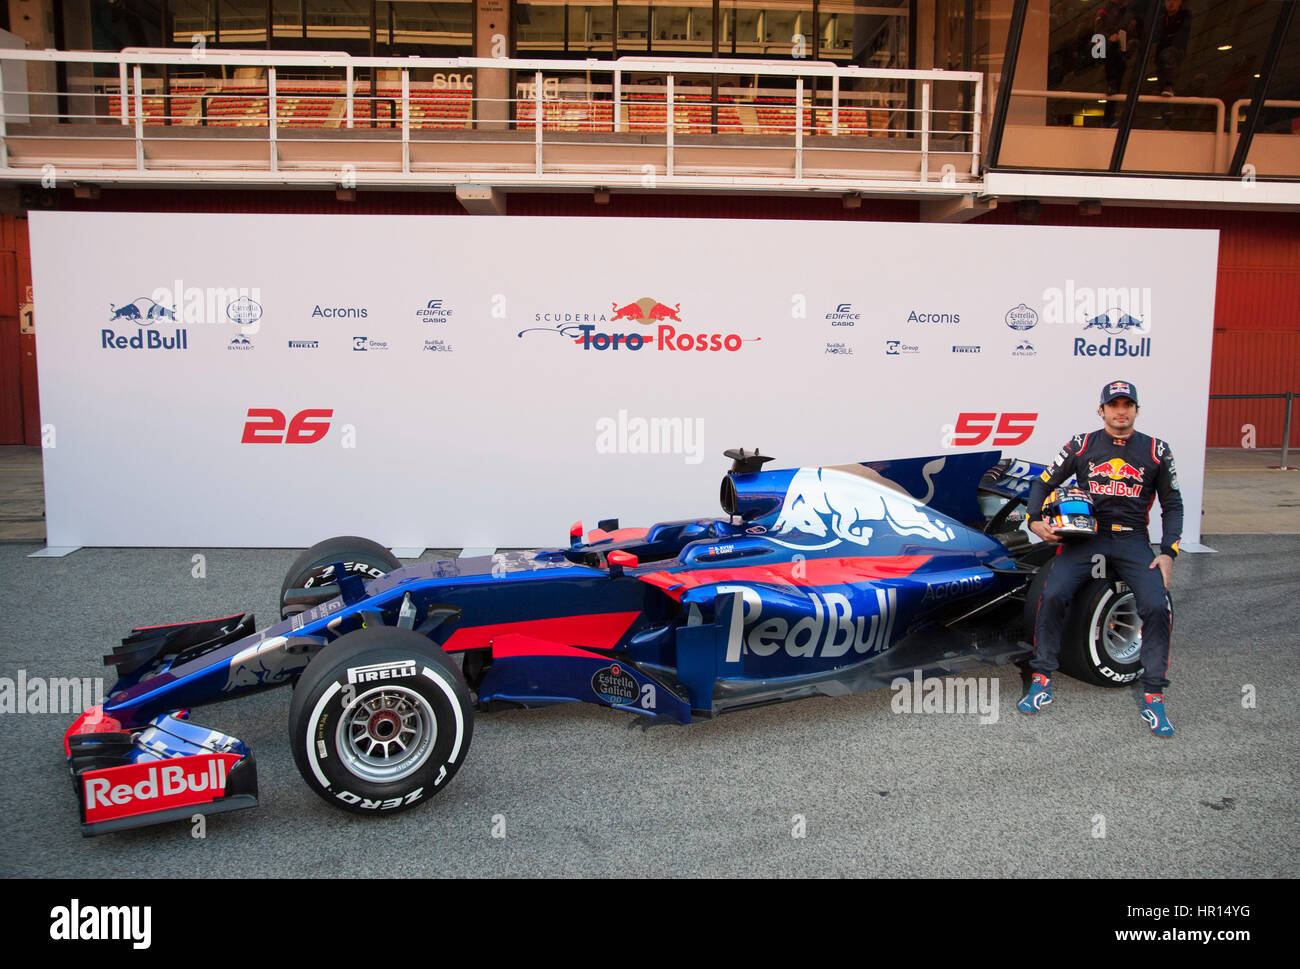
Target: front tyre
<point>315,567</point>
<point>1103,634</point>
<point>380,721</point>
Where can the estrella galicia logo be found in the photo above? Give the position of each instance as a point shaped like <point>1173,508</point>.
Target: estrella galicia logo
<point>435,311</point>
<point>1021,317</point>
<point>142,312</point>
<point>843,315</point>
<point>244,312</point>
<point>615,685</point>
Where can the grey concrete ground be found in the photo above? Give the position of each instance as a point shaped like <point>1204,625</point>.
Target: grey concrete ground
<point>1082,790</point>
<point>584,791</point>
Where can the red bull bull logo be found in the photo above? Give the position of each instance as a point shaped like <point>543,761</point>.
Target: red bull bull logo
<point>1118,472</point>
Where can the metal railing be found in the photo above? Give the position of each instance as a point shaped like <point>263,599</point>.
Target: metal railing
<point>788,123</point>
<point>1289,397</point>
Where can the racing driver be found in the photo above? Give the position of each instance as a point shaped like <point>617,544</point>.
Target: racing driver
<point>1123,471</point>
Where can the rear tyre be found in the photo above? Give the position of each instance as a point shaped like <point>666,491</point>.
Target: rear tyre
<point>380,721</point>
<point>315,567</point>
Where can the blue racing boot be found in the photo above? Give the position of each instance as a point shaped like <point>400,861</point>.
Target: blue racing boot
<point>1153,712</point>
<point>1039,695</point>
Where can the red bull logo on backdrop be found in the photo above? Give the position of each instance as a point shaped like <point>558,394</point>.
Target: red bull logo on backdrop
<point>591,331</point>
<point>1117,471</point>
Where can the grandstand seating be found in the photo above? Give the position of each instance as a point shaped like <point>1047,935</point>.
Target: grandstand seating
<point>320,104</point>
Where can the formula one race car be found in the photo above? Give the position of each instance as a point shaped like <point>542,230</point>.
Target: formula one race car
<point>820,580</point>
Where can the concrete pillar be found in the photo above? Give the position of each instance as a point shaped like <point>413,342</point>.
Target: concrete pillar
<point>492,39</point>
<point>33,21</point>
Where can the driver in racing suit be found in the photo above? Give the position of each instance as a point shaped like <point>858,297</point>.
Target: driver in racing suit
<point>1123,471</point>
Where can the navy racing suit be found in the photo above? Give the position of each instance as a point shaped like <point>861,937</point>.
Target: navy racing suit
<point>1123,476</point>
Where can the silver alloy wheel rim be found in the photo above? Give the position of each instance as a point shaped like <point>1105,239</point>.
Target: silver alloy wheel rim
<point>1119,630</point>
<point>386,734</point>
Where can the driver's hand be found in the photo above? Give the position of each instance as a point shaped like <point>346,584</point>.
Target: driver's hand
<point>1041,529</point>
<point>1166,566</point>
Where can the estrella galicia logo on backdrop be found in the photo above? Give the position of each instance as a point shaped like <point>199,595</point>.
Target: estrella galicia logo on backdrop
<point>244,312</point>
<point>435,311</point>
<point>1022,317</point>
<point>589,330</point>
<point>843,315</point>
<point>613,684</point>
<point>142,312</point>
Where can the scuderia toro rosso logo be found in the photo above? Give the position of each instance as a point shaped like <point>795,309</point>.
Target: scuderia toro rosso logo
<point>596,331</point>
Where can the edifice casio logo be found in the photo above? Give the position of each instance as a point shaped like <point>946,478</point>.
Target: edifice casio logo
<point>435,311</point>
<point>591,331</point>
<point>843,315</point>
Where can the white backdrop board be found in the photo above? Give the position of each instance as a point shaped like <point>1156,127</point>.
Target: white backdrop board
<point>270,380</point>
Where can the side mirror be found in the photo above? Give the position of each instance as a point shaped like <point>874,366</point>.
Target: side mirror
<point>620,560</point>
<point>575,534</point>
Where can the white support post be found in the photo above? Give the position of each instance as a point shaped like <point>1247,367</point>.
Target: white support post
<point>350,93</point>
<point>4,145</point>
<point>123,92</point>
<point>271,122</point>
<point>618,100</point>
<point>925,131</point>
<point>537,121</point>
<point>835,105</point>
<point>139,120</point>
<point>672,128</point>
<point>798,128</point>
<point>975,136</point>
<point>406,122</point>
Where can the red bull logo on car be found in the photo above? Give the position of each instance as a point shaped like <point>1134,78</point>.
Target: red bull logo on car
<point>1117,471</point>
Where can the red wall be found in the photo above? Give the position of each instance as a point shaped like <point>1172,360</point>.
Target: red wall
<point>19,417</point>
<point>1256,312</point>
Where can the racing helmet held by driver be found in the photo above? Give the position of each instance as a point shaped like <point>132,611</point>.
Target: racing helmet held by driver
<point>1068,512</point>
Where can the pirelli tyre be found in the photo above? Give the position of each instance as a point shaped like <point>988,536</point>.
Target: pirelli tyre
<point>315,566</point>
<point>1101,638</point>
<point>381,721</point>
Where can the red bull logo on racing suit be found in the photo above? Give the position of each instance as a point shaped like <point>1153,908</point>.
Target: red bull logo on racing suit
<point>1117,471</point>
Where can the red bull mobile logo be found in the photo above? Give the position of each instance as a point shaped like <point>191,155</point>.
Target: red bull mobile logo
<point>648,312</point>
<point>1117,471</point>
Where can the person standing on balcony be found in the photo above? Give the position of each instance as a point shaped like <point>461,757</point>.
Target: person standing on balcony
<point>1172,33</point>
<point>1117,23</point>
